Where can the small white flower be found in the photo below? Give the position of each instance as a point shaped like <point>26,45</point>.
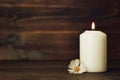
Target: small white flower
<point>75,67</point>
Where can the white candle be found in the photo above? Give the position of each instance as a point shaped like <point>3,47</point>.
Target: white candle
<point>93,50</point>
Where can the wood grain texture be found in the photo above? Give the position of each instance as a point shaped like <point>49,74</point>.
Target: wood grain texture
<point>49,30</point>
<point>51,70</point>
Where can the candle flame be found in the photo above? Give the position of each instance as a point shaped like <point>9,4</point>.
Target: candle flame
<point>93,26</point>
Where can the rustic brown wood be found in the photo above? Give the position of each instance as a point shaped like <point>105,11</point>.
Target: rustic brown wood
<point>49,30</point>
<point>35,3</point>
<point>93,3</point>
<point>56,25</point>
<point>52,70</point>
<point>46,43</point>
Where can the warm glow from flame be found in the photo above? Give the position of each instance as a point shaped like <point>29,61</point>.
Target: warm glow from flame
<point>93,26</point>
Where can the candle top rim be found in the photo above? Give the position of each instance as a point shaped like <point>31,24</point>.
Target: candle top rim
<point>92,30</point>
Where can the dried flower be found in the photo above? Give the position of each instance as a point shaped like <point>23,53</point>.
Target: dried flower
<point>75,67</point>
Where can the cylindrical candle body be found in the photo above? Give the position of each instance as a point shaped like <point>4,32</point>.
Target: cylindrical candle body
<point>93,50</point>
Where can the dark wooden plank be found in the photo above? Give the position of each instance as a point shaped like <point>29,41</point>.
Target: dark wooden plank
<point>49,30</point>
<point>35,3</point>
<point>36,11</point>
<point>113,46</point>
<point>52,70</point>
<point>14,14</point>
<point>109,25</point>
<point>93,3</point>
<point>40,45</point>
<point>10,53</point>
<point>33,25</point>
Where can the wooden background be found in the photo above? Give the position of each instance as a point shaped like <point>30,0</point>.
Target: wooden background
<point>49,29</point>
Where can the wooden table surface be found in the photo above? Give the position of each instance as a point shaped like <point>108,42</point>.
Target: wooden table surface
<point>51,70</point>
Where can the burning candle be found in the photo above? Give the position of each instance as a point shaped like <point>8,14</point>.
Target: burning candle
<point>93,50</point>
